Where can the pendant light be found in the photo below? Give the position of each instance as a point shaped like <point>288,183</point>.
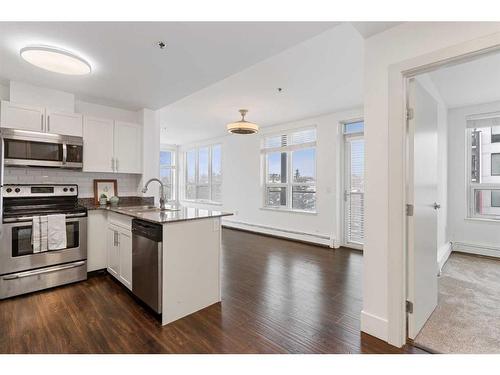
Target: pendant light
<point>243,126</point>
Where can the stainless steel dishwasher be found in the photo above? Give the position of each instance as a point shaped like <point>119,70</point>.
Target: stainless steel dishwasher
<point>147,262</point>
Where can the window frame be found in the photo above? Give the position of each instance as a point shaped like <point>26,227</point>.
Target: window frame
<point>210,182</point>
<point>471,186</point>
<point>172,167</point>
<point>289,184</point>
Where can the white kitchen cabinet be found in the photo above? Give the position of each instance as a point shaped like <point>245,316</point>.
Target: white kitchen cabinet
<point>111,146</point>
<point>98,145</point>
<point>125,245</point>
<point>113,251</point>
<point>22,117</point>
<point>128,147</point>
<point>96,240</point>
<point>120,252</point>
<point>65,123</point>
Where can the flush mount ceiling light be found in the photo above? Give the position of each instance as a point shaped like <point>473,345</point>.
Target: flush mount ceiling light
<point>55,60</point>
<point>242,126</point>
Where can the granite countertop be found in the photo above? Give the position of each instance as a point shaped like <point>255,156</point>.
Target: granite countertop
<point>130,206</point>
<point>181,213</point>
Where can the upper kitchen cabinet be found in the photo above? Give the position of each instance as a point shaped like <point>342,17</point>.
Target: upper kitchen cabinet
<point>111,146</point>
<point>39,119</point>
<point>23,117</point>
<point>128,150</point>
<point>65,123</point>
<point>98,155</point>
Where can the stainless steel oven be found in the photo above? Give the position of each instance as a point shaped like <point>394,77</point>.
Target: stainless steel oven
<point>21,269</point>
<point>27,148</point>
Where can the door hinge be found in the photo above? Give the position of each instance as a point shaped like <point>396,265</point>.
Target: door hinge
<point>409,113</point>
<point>409,210</point>
<point>409,307</point>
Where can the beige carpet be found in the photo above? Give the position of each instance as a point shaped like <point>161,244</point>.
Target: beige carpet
<point>467,318</point>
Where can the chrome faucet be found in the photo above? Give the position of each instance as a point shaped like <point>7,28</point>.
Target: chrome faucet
<point>163,193</point>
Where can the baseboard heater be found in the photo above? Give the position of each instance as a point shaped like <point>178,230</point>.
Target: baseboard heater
<point>292,234</point>
<point>479,249</point>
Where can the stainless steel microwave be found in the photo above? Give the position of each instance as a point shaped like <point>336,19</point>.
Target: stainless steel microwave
<point>33,149</point>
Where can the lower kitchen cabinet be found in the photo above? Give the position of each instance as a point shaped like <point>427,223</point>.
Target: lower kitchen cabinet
<point>119,253</point>
<point>97,224</point>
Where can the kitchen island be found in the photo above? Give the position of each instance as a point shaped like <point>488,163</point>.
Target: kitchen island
<point>189,264</point>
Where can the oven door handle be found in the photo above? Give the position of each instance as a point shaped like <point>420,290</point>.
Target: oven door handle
<point>30,218</point>
<point>20,275</point>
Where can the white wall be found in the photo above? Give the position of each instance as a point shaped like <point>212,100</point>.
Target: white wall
<point>468,233</point>
<point>393,46</point>
<point>242,182</point>
<point>4,92</point>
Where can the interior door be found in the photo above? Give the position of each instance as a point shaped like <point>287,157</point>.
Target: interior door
<point>422,193</point>
<point>354,191</point>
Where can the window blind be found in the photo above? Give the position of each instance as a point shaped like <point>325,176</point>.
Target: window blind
<point>295,138</point>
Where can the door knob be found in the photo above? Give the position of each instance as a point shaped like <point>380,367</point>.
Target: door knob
<point>436,206</point>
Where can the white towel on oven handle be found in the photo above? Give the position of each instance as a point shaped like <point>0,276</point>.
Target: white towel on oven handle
<point>39,234</point>
<point>56,232</point>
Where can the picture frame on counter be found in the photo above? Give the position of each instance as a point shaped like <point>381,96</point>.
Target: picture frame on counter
<point>109,188</point>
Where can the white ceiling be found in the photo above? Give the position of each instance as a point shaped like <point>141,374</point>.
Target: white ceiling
<point>131,72</point>
<point>473,82</point>
<point>321,75</point>
<point>368,29</point>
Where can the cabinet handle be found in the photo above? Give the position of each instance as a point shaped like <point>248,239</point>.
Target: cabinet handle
<point>116,163</point>
<point>48,123</point>
<point>113,164</point>
<point>41,122</point>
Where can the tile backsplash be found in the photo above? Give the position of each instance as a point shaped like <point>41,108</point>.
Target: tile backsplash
<point>128,184</point>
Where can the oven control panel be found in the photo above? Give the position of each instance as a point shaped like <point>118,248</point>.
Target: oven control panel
<point>12,191</point>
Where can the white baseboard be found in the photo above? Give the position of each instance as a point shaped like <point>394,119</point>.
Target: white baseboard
<point>479,249</point>
<point>443,255</point>
<point>374,325</point>
<point>320,239</point>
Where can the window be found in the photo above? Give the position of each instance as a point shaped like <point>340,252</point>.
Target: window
<point>167,170</point>
<point>204,174</point>
<point>290,170</point>
<point>483,134</point>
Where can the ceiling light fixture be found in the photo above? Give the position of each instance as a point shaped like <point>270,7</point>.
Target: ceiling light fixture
<point>242,126</point>
<point>55,60</point>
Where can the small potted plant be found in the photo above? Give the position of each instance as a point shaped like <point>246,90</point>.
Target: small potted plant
<point>103,200</point>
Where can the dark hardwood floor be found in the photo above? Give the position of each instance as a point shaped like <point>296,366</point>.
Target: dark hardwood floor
<point>278,297</point>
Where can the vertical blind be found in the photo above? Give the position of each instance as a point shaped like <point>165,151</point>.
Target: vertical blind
<point>355,214</point>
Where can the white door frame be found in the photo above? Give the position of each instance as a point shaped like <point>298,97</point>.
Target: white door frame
<point>397,249</point>
<point>343,179</point>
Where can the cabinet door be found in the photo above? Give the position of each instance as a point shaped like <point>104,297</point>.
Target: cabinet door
<point>126,258</point>
<point>113,251</point>
<point>97,145</point>
<point>128,147</point>
<point>65,123</point>
<point>23,117</point>
<point>97,243</point>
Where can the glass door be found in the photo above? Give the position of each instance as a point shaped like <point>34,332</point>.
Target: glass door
<point>354,184</point>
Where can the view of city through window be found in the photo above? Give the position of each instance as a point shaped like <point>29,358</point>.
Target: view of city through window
<point>484,180</point>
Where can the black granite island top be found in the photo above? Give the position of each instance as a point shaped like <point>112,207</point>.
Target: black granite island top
<point>143,208</point>
<point>174,214</point>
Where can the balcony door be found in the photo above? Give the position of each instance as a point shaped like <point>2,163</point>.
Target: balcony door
<point>354,184</point>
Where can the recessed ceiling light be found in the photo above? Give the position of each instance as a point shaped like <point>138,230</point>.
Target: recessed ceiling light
<point>55,60</point>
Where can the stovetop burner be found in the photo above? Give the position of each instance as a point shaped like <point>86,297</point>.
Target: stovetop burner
<point>26,201</point>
